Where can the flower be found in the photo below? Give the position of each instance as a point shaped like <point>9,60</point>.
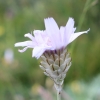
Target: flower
<point>52,38</point>
<point>49,45</point>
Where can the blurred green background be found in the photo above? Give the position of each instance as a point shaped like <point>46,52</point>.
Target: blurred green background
<point>20,75</point>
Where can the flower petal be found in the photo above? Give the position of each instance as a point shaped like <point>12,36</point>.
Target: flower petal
<point>69,29</point>
<point>53,32</point>
<point>23,50</point>
<point>38,36</point>
<point>74,36</point>
<point>22,44</point>
<point>30,36</point>
<point>37,52</point>
<point>62,33</point>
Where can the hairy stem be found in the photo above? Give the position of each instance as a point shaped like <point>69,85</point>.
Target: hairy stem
<point>58,95</point>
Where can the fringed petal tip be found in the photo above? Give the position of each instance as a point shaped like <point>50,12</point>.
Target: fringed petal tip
<point>20,50</point>
<point>88,30</point>
<point>26,35</point>
<point>75,35</point>
<point>48,18</point>
<point>72,19</point>
<point>23,50</point>
<point>16,44</point>
<point>35,57</point>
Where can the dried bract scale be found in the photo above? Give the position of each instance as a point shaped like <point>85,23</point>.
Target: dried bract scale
<point>55,64</point>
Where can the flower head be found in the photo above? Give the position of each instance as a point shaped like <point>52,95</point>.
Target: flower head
<point>52,38</point>
<point>50,45</point>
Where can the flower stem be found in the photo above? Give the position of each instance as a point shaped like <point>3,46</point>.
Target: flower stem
<point>82,17</point>
<point>81,20</point>
<point>58,95</point>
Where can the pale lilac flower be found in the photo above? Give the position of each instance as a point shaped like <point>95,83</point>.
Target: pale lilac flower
<point>49,45</point>
<point>52,38</point>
